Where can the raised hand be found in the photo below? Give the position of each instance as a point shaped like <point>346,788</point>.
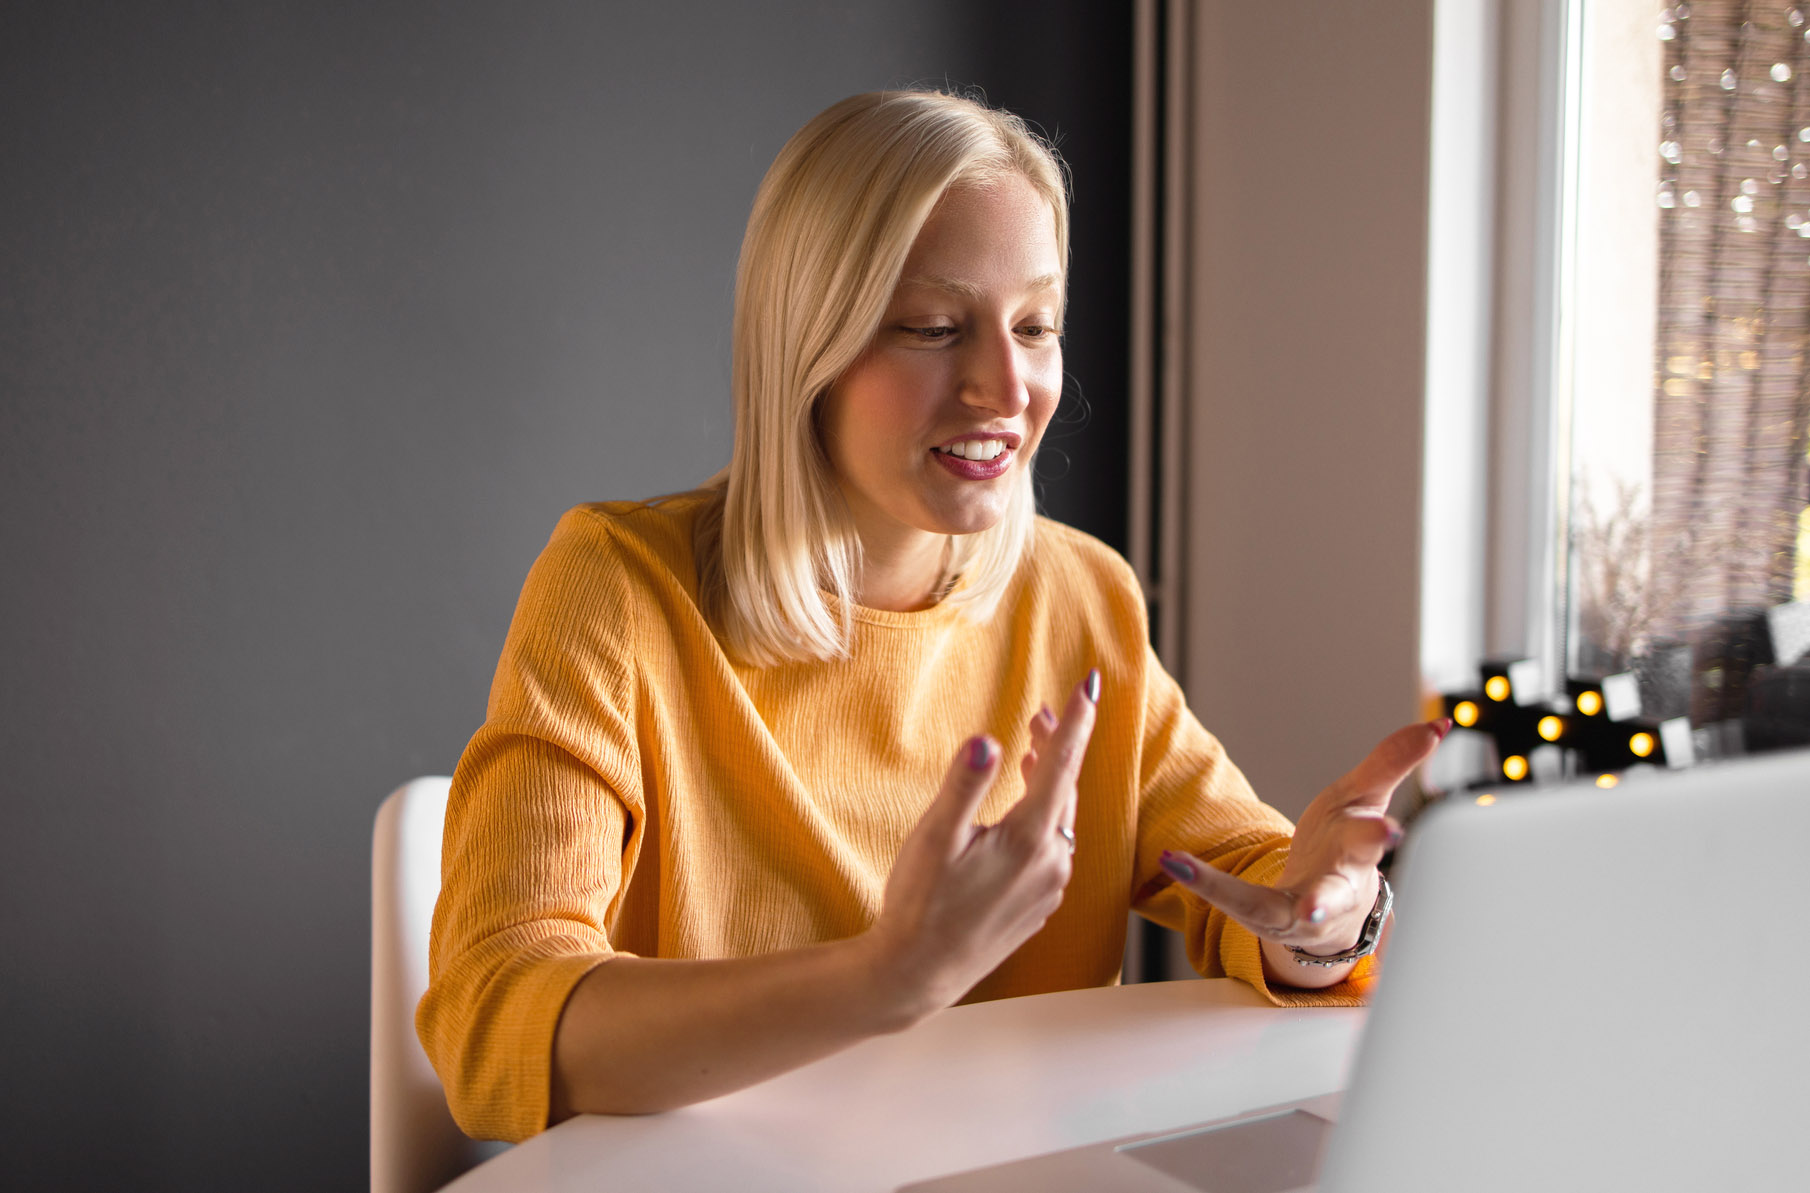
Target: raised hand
<point>640,1034</point>
<point>1329,883</point>
<point>961,896</point>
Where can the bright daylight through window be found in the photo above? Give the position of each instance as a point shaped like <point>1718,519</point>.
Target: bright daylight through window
<point>1688,488</point>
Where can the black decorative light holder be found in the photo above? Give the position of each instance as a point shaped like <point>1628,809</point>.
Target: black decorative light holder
<point>1618,745</point>
<point>1596,726</point>
<point>1611,697</point>
<point>1510,706</point>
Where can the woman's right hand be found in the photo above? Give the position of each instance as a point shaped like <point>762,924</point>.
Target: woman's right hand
<point>962,896</point>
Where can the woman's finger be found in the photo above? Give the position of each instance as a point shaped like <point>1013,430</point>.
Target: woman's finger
<point>1050,790</point>
<point>1042,725</point>
<point>1358,839</point>
<point>1264,911</point>
<point>950,816</point>
<point>1371,782</point>
<point>1330,896</point>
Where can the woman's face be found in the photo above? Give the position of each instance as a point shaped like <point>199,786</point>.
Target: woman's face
<point>931,428</point>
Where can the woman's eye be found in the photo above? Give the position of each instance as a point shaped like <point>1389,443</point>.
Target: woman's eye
<point>1037,331</point>
<point>938,332</point>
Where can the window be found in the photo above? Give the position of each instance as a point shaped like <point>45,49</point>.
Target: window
<point>1684,366</point>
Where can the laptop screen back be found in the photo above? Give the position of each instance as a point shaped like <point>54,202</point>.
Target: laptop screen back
<point>1594,990</point>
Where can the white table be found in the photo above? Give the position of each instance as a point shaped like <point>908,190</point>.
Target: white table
<point>974,1085</point>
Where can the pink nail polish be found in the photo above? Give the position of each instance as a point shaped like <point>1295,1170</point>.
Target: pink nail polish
<point>1093,686</point>
<point>1441,727</point>
<point>1178,867</point>
<point>980,753</point>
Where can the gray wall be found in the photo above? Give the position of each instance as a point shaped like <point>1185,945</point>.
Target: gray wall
<point>313,317</point>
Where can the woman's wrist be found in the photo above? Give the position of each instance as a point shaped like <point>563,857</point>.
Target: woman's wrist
<point>890,984</point>
<point>1307,966</point>
<point>1280,968</point>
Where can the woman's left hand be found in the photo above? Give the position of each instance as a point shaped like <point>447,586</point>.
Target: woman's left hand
<point>1327,887</point>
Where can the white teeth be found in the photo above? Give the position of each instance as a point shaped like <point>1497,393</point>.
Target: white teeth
<point>976,449</point>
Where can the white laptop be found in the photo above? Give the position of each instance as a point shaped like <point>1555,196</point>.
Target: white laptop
<point>1586,989</point>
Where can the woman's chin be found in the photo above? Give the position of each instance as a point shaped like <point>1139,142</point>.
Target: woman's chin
<point>969,519</point>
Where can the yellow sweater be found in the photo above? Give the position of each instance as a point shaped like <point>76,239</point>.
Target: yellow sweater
<point>632,790</point>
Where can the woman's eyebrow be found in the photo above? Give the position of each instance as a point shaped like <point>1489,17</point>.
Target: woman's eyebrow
<point>966,289</point>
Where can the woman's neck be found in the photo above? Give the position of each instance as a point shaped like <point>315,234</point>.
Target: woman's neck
<point>903,574</point>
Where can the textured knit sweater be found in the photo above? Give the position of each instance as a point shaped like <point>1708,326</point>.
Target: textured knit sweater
<point>635,790</point>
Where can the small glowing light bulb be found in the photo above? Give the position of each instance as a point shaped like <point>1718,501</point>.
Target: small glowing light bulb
<point>1464,713</point>
<point>1641,744</point>
<point>1485,800</point>
<point>1514,767</point>
<point>1606,780</point>
<point>1590,703</point>
<point>1497,687</point>
<point>1550,728</point>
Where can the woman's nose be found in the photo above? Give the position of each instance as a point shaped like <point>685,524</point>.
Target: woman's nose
<point>994,376</point>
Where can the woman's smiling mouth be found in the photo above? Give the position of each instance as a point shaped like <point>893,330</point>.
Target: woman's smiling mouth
<point>977,459</point>
<point>976,449</point>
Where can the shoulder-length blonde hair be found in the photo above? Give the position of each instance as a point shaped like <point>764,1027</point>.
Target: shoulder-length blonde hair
<point>832,224</point>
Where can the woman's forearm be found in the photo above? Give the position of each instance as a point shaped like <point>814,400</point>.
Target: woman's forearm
<point>640,1035</point>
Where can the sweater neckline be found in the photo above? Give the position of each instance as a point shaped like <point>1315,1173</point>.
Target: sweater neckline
<point>907,619</point>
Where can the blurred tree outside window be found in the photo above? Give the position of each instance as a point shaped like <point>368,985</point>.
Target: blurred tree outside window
<point>1688,485</point>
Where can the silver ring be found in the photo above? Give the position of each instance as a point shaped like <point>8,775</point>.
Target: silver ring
<point>1068,834</point>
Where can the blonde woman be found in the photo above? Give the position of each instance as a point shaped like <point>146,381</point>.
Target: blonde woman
<point>850,735</point>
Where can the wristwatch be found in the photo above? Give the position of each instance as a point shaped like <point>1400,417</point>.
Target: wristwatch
<point>1366,942</point>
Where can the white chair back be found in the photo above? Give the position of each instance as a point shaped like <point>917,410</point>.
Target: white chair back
<point>415,1145</point>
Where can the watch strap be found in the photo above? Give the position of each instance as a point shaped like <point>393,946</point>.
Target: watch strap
<point>1367,938</point>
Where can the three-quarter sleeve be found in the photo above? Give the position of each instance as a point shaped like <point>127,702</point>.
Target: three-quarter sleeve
<point>1194,799</point>
<point>540,840</point>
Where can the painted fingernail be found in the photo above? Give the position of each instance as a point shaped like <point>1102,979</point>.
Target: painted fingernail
<point>1317,916</point>
<point>1394,837</point>
<point>980,753</point>
<point>1093,686</point>
<point>1178,867</point>
<point>1441,727</point>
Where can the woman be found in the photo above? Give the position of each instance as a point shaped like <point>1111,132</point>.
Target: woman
<point>849,735</point>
